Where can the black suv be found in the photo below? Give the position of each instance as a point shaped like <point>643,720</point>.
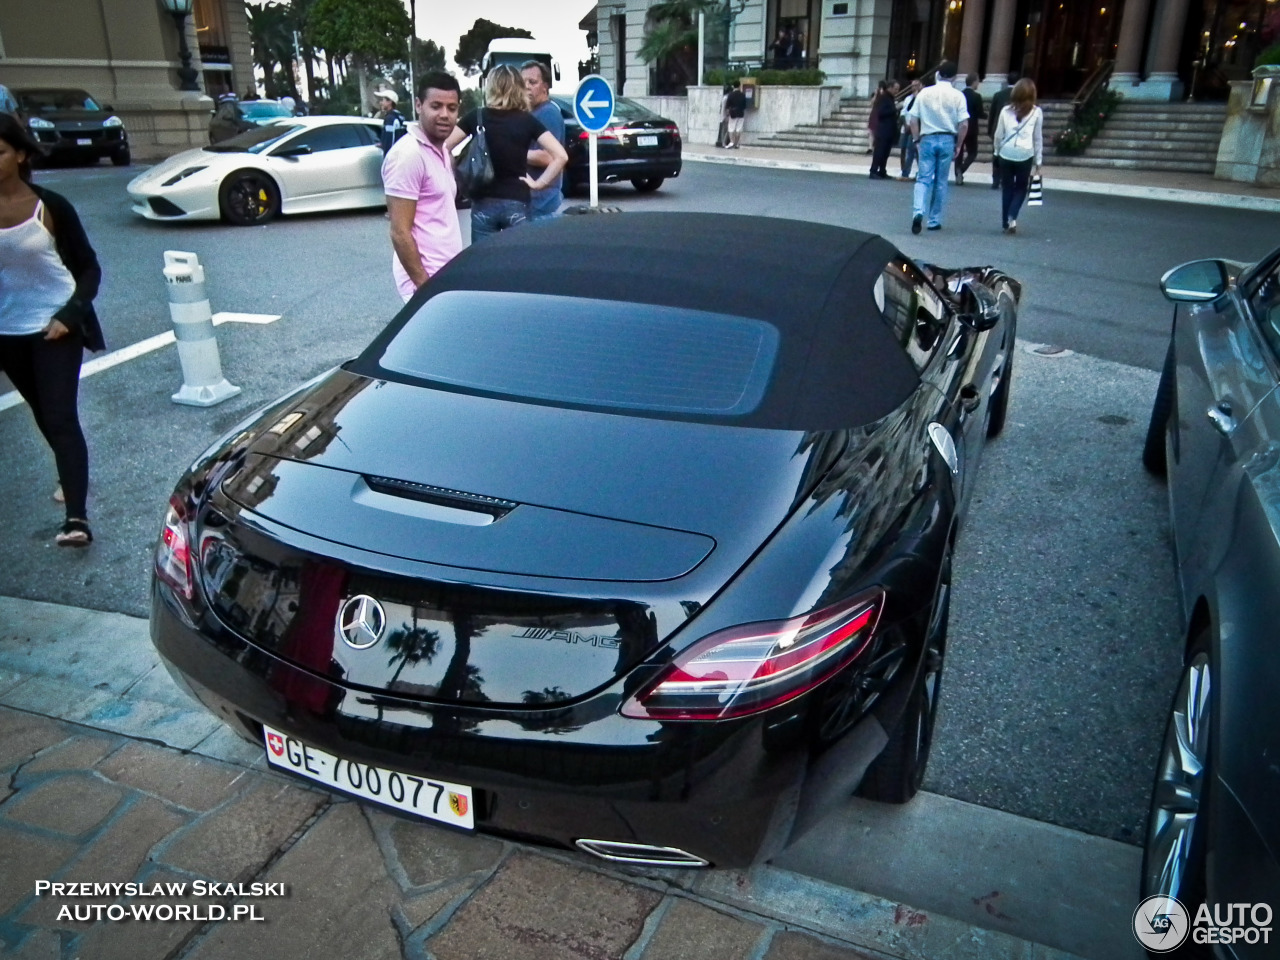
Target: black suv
<point>69,123</point>
<point>638,145</point>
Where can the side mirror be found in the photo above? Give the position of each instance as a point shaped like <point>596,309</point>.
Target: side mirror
<point>1196,282</point>
<point>987,308</point>
<point>293,153</point>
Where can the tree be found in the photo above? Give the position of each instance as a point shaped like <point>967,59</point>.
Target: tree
<point>473,44</point>
<point>670,44</point>
<point>370,32</point>
<point>272,39</point>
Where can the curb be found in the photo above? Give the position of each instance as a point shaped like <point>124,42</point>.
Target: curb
<point>1204,198</point>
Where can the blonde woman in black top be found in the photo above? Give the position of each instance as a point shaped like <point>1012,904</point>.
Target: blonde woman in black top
<point>509,131</point>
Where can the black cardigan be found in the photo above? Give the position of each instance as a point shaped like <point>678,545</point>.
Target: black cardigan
<point>78,257</point>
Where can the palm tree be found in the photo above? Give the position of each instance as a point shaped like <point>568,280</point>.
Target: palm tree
<point>671,40</point>
<point>272,38</point>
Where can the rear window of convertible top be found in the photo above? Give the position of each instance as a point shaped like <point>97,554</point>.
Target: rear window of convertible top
<point>575,351</point>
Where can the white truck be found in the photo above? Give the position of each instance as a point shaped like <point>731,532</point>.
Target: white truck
<point>517,51</point>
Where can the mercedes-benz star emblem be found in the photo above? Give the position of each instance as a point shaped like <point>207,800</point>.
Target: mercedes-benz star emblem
<point>361,622</point>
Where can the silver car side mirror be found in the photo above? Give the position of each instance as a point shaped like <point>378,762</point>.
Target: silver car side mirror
<point>1196,282</point>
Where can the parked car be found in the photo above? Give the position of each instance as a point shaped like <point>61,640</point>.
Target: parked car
<point>1213,830</point>
<point>298,165</point>
<point>600,544</point>
<point>638,145</point>
<point>70,124</point>
<point>262,112</point>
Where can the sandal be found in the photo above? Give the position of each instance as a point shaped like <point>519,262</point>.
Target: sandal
<point>74,533</point>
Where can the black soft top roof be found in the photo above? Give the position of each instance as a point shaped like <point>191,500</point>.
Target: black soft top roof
<point>838,365</point>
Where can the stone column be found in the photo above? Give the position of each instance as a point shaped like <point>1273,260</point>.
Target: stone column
<point>1133,30</point>
<point>971,37</point>
<point>1162,83</point>
<point>1000,46</point>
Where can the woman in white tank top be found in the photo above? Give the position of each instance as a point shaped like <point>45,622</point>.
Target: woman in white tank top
<point>48,277</point>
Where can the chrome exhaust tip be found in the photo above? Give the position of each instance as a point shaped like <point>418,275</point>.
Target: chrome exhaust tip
<point>642,854</point>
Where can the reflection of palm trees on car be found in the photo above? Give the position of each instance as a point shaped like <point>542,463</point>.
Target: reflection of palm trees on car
<point>410,646</point>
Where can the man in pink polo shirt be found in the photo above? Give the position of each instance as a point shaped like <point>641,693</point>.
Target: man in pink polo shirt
<point>417,177</point>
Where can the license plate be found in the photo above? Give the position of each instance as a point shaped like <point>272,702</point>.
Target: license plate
<point>83,142</point>
<point>648,141</point>
<point>449,803</point>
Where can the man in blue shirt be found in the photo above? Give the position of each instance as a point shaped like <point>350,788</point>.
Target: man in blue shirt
<point>537,82</point>
<point>393,126</point>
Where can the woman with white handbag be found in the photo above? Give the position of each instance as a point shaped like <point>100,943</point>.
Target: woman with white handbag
<point>1019,143</point>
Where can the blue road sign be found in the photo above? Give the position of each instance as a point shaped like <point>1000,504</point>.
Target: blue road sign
<point>593,103</point>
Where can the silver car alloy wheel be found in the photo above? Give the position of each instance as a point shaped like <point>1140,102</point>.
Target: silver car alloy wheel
<point>1178,795</point>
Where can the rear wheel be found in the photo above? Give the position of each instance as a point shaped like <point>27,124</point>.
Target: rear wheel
<point>1000,399</point>
<point>121,157</point>
<point>647,184</point>
<point>897,774</point>
<point>248,198</point>
<point>1174,855</point>
<point>1153,451</point>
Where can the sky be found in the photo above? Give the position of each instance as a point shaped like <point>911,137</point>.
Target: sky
<point>553,22</point>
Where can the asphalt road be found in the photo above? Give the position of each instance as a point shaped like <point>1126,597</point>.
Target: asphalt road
<point>1063,649</point>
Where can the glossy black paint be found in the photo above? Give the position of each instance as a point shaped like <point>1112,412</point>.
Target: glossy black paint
<point>1223,465</point>
<point>76,134</point>
<point>620,157</point>
<point>507,675</point>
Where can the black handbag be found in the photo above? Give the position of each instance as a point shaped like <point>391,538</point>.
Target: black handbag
<point>475,169</point>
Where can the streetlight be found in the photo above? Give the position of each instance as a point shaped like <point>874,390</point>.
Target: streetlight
<point>180,10</point>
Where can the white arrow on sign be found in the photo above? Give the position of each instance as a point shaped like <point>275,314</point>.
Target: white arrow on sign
<point>590,106</point>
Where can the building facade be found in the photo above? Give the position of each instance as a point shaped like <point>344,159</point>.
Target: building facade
<point>125,53</point>
<point>1159,49</point>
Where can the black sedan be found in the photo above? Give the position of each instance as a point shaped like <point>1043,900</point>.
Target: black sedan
<point>1213,832</point>
<point>69,124</point>
<point>600,543</point>
<point>638,145</point>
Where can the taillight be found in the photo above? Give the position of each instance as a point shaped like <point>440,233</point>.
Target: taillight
<point>609,133</point>
<point>757,666</point>
<point>173,552</point>
<point>675,133</point>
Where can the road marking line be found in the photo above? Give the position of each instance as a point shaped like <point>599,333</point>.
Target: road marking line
<point>141,348</point>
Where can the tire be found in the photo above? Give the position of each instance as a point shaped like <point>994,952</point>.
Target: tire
<point>248,198</point>
<point>1176,846</point>
<point>897,774</point>
<point>1153,450</point>
<point>647,184</point>
<point>1000,400</point>
<point>121,157</point>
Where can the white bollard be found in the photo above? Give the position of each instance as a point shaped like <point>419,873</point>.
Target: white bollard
<point>203,384</point>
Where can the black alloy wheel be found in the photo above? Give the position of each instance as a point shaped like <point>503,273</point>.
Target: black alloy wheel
<point>897,774</point>
<point>121,157</point>
<point>248,198</point>
<point>1153,451</point>
<point>647,184</point>
<point>1175,852</point>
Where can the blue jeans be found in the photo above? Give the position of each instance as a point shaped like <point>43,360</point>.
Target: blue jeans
<point>908,153</point>
<point>1015,176</point>
<point>491,214</point>
<point>936,151</point>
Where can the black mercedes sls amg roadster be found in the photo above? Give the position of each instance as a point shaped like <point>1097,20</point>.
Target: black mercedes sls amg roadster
<point>615,537</point>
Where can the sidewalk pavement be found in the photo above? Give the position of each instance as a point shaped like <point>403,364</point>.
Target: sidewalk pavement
<point>1196,188</point>
<point>110,775</point>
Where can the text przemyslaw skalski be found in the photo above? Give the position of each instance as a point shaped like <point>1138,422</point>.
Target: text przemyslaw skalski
<point>197,888</point>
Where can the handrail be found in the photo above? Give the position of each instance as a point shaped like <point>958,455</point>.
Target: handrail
<point>1093,84</point>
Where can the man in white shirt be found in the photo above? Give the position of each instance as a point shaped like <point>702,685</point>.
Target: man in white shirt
<point>938,122</point>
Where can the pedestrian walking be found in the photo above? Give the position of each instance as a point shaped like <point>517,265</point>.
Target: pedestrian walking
<point>736,107</point>
<point>939,120</point>
<point>49,275</point>
<point>227,120</point>
<point>907,143</point>
<point>417,177</point>
<point>999,100</point>
<point>509,129</point>
<point>1019,143</point>
<point>969,146</point>
<point>393,123</point>
<point>537,84</point>
<point>884,127</point>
